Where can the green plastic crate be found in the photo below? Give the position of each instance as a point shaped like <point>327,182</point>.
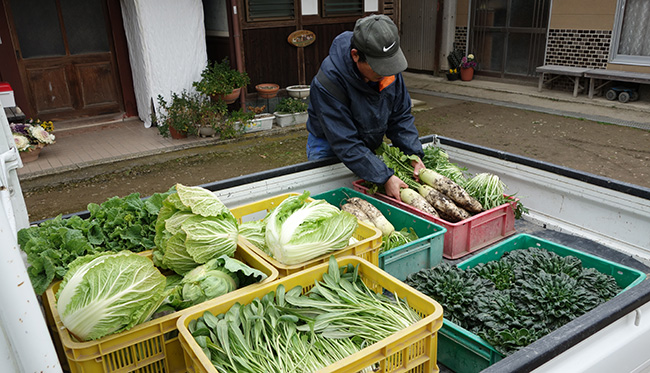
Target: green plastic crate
<point>425,252</point>
<point>465,352</point>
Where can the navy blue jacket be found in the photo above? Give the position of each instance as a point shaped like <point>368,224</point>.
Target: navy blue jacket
<point>355,129</point>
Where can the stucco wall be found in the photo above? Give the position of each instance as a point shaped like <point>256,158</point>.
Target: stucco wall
<point>166,41</point>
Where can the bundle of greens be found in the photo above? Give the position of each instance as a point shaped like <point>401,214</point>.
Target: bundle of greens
<point>193,226</point>
<point>115,225</point>
<point>517,299</point>
<point>286,331</point>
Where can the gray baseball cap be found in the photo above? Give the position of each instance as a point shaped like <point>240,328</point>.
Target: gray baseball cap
<point>378,38</point>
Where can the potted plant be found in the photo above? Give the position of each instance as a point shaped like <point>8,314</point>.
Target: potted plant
<point>211,117</point>
<point>467,66</point>
<point>261,120</point>
<point>239,121</point>
<point>267,90</point>
<point>180,116</point>
<point>290,111</point>
<point>31,137</point>
<point>220,81</point>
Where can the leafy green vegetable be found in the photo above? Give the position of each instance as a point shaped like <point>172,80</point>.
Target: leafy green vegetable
<point>517,299</point>
<point>288,331</point>
<point>438,160</point>
<point>193,226</point>
<point>107,293</point>
<point>115,225</point>
<point>255,232</point>
<point>298,230</point>
<point>217,277</point>
<point>397,239</point>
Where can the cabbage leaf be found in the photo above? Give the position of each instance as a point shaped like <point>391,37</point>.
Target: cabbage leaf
<point>193,227</point>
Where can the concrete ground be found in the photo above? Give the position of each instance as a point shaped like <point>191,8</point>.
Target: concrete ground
<point>84,143</point>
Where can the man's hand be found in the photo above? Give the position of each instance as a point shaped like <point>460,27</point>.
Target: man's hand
<point>417,166</point>
<point>393,187</point>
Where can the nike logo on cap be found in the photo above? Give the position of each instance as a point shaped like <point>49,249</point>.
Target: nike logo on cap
<point>389,47</point>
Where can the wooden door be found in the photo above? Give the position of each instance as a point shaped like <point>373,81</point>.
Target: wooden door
<point>418,33</point>
<point>65,56</point>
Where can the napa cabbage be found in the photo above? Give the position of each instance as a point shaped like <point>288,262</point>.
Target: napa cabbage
<point>107,293</point>
<point>298,230</point>
<point>193,226</point>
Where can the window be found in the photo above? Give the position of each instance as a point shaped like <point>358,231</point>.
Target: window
<point>630,42</point>
<point>258,10</point>
<point>335,8</point>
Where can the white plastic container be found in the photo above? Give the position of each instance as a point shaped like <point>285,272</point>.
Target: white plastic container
<point>290,119</point>
<point>7,95</point>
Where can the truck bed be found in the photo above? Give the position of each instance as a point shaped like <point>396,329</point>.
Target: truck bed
<point>596,215</point>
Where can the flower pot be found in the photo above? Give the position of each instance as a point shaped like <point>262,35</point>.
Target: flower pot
<point>267,90</point>
<point>466,74</point>
<point>207,132</point>
<point>177,134</point>
<point>228,98</point>
<point>298,91</point>
<point>261,122</point>
<point>31,156</point>
<point>290,119</point>
<point>452,76</point>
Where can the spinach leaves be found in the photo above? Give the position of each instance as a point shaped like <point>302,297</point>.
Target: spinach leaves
<point>516,300</point>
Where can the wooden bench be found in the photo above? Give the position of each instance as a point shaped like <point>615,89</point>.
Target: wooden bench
<point>574,73</point>
<point>613,75</point>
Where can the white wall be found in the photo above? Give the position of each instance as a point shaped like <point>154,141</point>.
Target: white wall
<point>166,42</point>
<point>310,7</point>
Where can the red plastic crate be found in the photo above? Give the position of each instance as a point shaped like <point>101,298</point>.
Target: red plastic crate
<point>465,236</point>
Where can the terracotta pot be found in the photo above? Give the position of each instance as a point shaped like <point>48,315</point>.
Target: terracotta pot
<point>31,155</point>
<point>228,98</point>
<point>466,74</point>
<point>176,134</point>
<point>267,90</point>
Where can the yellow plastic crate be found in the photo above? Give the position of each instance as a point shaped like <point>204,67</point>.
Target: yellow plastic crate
<point>413,349</point>
<point>152,346</point>
<point>367,247</point>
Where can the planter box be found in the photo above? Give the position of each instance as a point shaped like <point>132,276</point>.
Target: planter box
<point>261,122</point>
<point>284,120</point>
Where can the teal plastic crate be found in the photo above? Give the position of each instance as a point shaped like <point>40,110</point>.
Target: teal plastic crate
<point>465,352</point>
<point>425,252</point>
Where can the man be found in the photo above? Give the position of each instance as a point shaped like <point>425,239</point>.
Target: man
<point>357,97</point>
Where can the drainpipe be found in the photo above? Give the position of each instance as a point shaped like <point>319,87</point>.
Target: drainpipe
<point>236,37</point>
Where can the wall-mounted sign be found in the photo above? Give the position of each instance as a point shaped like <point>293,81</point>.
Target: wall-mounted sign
<point>301,38</point>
